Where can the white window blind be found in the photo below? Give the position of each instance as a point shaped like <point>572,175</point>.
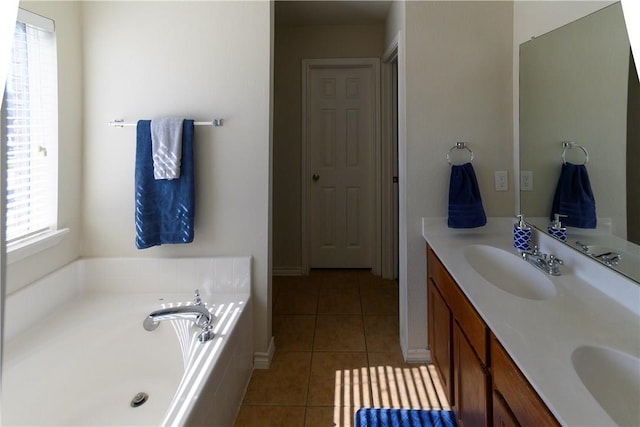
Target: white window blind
<point>31,130</point>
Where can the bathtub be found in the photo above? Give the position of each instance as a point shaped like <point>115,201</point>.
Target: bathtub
<point>76,352</point>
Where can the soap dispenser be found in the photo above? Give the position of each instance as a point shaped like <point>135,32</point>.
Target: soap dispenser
<point>521,234</point>
<point>556,229</point>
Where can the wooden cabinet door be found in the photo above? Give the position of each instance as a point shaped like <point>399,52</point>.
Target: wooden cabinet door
<point>502,416</point>
<point>440,342</point>
<point>521,398</point>
<point>471,383</point>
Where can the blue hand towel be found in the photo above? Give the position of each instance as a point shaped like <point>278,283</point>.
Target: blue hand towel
<point>164,208</point>
<point>574,197</point>
<point>369,417</point>
<point>465,203</point>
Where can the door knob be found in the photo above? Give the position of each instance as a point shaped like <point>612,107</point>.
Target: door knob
<point>315,177</point>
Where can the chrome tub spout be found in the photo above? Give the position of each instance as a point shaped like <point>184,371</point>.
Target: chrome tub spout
<point>197,311</point>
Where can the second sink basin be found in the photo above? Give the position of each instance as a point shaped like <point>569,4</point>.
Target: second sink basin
<point>613,379</point>
<point>509,273</point>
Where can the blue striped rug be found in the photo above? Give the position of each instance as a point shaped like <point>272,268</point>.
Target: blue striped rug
<point>370,417</point>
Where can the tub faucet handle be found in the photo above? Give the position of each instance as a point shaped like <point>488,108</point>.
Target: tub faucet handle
<point>196,299</point>
<point>206,334</point>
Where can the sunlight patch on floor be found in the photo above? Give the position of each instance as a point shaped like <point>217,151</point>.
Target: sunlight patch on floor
<point>384,386</point>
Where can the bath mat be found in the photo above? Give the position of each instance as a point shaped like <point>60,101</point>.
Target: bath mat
<point>371,417</point>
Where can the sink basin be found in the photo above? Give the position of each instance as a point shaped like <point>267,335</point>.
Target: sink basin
<point>613,379</point>
<point>509,272</point>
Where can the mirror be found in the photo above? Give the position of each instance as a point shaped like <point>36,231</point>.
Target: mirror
<point>579,83</point>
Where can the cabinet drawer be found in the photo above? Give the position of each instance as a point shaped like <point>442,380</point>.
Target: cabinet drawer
<point>463,312</point>
<point>519,396</point>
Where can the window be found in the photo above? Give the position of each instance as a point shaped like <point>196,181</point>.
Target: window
<point>30,131</point>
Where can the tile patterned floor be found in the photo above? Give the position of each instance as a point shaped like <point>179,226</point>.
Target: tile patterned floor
<point>337,349</point>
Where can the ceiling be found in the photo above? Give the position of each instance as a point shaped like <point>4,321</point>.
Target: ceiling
<point>340,12</point>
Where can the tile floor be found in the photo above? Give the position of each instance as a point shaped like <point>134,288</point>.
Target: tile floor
<point>337,349</point>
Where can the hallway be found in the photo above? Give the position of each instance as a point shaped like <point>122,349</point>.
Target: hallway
<point>337,349</point>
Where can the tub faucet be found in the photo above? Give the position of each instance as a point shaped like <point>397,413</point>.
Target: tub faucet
<point>203,318</point>
<point>548,263</point>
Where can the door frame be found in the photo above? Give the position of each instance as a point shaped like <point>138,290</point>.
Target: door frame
<point>389,268</point>
<point>307,66</point>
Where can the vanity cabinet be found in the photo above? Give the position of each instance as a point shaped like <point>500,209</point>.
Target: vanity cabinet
<point>458,343</point>
<point>483,384</point>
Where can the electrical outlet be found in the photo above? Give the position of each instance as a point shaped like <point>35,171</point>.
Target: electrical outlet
<point>526,180</point>
<point>502,180</point>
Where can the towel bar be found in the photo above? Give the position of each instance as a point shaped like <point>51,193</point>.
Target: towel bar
<point>122,123</point>
<point>570,145</point>
<point>459,146</point>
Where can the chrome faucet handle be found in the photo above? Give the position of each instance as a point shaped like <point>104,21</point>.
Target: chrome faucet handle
<point>553,265</point>
<point>585,248</point>
<point>196,299</point>
<point>555,260</point>
<point>206,334</point>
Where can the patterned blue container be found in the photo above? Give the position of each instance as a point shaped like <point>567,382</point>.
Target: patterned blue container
<point>521,238</point>
<point>558,233</point>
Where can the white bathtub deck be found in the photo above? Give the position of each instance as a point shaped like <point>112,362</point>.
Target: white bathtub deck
<point>86,356</point>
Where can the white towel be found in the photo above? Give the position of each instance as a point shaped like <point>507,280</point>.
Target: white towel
<point>166,147</point>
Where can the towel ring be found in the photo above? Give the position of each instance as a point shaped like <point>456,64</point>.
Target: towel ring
<point>570,145</point>
<point>460,146</point>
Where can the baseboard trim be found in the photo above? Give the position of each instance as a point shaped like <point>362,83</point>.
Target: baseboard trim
<point>287,271</point>
<point>262,360</point>
<point>420,355</point>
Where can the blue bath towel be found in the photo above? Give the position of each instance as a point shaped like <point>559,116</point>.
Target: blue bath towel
<point>164,208</point>
<point>465,203</point>
<point>574,197</point>
<point>369,417</point>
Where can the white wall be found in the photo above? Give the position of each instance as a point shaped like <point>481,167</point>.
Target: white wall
<point>70,114</point>
<point>395,21</point>
<point>7,23</point>
<point>534,18</point>
<point>458,88</point>
<point>202,60</point>
<point>395,32</point>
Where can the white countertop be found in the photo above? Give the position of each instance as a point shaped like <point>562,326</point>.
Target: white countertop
<point>592,306</point>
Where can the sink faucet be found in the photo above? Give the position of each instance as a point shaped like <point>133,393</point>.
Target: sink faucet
<point>548,263</point>
<point>585,248</point>
<point>203,317</point>
<point>609,258</point>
